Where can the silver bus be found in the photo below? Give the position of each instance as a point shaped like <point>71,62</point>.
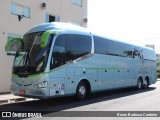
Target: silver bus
<point>59,59</point>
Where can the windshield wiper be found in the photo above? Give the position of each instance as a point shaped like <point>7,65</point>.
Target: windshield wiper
<point>23,74</point>
<point>18,66</point>
<point>24,59</point>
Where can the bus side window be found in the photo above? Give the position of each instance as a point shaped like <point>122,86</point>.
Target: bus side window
<point>77,46</point>
<point>141,54</point>
<point>103,46</point>
<point>58,54</point>
<point>137,54</point>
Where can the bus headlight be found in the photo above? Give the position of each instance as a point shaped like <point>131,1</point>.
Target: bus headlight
<point>41,85</point>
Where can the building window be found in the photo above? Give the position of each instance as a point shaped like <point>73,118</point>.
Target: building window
<point>51,18</point>
<point>77,2</point>
<point>20,10</point>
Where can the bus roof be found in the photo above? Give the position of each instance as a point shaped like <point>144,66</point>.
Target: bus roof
<point>59,26</point>
<point>125,42</point>
<point>70,28</point>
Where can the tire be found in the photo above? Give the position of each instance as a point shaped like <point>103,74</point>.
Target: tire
<point>139,84</point>
<point>82,91</point>
<point>145,84</point>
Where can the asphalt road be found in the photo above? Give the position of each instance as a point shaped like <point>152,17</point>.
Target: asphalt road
<point>116,100</point>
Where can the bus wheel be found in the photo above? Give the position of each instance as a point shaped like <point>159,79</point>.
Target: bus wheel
<point>139,84</point>
<point>145,83</point>
<point>82,91</point>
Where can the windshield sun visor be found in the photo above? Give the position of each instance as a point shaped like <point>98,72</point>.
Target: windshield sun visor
<point>45,38</point>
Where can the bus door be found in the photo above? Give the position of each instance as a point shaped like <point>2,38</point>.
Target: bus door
<point>62,62</point>
<point>57,74</point>
<point>57,77</point>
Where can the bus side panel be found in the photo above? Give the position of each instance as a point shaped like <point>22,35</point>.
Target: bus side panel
<point>104,75</point>
<point>129,72</point>
<point>70,80</point>
<point>119,65</point>
<point>150,71</point>
<point>153,72</point>
<point>85,70</point>
<point>57,82</point>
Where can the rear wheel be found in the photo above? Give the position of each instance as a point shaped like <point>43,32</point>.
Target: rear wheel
<point>145,84</point>
<point>139,84</point>
<point>82,91</point>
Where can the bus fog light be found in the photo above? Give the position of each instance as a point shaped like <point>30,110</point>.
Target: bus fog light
<point>41,85</point>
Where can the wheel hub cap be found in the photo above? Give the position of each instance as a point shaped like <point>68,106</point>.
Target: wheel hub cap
<point>82,90</point>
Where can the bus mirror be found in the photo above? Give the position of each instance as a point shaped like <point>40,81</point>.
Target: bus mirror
<point>45,38</point>
<point>13,45</point>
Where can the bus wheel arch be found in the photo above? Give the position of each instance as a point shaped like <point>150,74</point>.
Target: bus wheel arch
<point>139,83</point>
<point>146,82</point>
<point>83,89</point>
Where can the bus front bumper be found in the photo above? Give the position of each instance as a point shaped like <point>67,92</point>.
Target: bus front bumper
<point>29,93</point>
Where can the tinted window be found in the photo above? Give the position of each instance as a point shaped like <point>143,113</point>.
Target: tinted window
<point>109,47</point>
<point>122,49</point>
<point>77,46</point>
<point>128,51</point>
<point>103,46</point>
<point>149,54</point>
<point>118,49</point>
<point>58,54</point>
<point>137,53</point>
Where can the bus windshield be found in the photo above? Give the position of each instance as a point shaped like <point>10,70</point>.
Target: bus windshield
<point>32,59</point>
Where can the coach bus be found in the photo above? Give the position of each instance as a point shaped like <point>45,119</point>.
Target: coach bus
<point>59,59</point>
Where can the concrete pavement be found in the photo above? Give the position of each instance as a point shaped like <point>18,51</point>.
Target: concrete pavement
<point>9,98</point>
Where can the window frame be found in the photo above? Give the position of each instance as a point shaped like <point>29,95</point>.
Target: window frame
<point>137,54</point>
<point>57,18</point>
<point>113,48</point>
<point>101,39</point>
<point>65,50</point>
<point>52,66</point>
<point>76,3</point>
<point>85,52</point>
<point>23,10</point>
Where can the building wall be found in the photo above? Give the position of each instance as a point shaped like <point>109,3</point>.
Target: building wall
<point>9,24</point>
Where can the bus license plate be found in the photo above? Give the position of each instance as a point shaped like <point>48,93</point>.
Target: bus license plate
<point>21,91</point>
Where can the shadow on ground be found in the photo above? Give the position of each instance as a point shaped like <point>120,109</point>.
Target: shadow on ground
<point>64,103</point>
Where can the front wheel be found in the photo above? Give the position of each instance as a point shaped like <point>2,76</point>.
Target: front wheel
<point>82,91</point>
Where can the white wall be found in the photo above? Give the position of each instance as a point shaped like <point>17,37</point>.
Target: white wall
<point>9,24</point>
